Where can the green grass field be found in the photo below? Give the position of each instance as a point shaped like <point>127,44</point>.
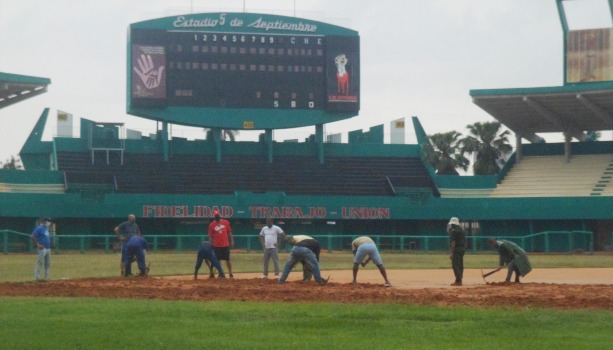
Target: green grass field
<point>86,323</point>
<point>82,323</point>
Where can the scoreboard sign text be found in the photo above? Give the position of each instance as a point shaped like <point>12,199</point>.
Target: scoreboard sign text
<point>217,67</point>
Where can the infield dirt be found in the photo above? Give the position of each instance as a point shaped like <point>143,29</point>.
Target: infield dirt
<point>556,288</point>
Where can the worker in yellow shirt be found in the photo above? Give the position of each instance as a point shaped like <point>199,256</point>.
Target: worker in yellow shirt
<point>364,247</point>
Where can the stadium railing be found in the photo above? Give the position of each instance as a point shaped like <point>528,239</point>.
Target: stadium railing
<point>542,242</point>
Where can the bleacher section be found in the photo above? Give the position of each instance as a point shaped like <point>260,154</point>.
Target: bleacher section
<point>465,192</point>
<point>83,174</point>
<point>32,188</point>
<point>552,176</point>
<point>298,175</point>
<point>41,182</point>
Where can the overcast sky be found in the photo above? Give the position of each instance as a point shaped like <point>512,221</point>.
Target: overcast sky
<point>418,57</point>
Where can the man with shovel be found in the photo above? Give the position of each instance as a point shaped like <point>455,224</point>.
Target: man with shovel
<point>513,256</point>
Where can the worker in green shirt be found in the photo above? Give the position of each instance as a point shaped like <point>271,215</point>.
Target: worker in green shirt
<point>457,246</point>
<point>513,257</point>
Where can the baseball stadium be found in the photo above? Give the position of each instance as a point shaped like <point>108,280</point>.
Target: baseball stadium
<point>272,72</point>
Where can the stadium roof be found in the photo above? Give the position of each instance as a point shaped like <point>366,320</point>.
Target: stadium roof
<point>573,109</point>
<point>15,88</point>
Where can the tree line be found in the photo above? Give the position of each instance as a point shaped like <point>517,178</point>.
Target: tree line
<point>486,141</point>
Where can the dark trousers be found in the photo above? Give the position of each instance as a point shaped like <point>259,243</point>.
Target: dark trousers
<point>457,263</point>
<point>207,253</point>
<point>139,254</point>
<point>512,268</point>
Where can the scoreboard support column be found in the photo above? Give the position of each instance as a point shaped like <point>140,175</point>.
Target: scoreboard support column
<point>319,139</point>
<point>269,145</point>
<point>217,139</point>
<point>164,137</point>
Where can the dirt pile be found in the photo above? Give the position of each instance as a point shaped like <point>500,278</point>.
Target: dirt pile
<point>563,296</point>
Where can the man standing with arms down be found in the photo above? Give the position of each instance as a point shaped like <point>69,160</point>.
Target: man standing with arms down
<point>513,256</point>
<point>361,248</point>
<point>124,232</point>
<point>457,245</point>
<point>268,239</point>
<point>220,235</point>
<point>40,237</point>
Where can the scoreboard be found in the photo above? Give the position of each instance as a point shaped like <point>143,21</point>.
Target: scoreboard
<point>240,70</point>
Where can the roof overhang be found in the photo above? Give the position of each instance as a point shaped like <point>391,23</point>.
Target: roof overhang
<point>570,109</point>
<point>15,88</point>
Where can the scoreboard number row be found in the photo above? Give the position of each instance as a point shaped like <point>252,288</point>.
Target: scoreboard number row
<point>233,38</point>
<point>293,104</point>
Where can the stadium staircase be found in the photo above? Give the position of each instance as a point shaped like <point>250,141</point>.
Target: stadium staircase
<point>604,187</point>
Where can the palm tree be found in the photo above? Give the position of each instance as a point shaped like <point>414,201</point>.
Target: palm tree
<point>489,145</point>
<point>444,153</point>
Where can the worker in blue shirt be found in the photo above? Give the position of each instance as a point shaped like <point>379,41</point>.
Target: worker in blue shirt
<point>207,254</point>
<point>40,237</point>
<point>136,248</point>
<point>124,232</point>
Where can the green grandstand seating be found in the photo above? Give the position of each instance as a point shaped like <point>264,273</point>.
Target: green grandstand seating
<point>189,173</point>
<point>553,176</point>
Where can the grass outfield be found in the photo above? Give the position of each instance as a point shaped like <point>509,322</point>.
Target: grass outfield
<point>101,323</point>
<point>83,323</point>
<point>20,267</point>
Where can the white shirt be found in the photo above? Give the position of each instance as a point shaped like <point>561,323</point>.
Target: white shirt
<point>270,235</point>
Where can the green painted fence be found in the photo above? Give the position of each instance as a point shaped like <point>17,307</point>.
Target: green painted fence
<point>542,242</point>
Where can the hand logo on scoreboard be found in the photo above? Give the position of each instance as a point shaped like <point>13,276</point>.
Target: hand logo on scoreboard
<point>147,72</point>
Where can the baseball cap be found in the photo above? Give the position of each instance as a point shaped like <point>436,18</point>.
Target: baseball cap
<point>454,221</point>
<point>216,212</point>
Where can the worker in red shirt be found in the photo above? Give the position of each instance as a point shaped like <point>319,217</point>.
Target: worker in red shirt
<point>220,235</point>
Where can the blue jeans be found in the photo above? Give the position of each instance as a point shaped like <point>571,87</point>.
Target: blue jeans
<point>43,260</point>
<point>301,254</point>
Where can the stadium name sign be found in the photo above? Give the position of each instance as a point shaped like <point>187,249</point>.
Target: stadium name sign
<point>319,213</point>
<point>260,212</point>
<point>212,22</point>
